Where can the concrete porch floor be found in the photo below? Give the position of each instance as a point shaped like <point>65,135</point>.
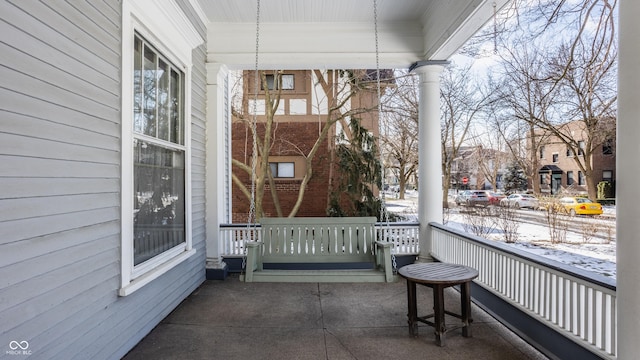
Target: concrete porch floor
<point>234,320</point>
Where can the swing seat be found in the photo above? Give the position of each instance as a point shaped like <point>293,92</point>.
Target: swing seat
<point>318,250</point>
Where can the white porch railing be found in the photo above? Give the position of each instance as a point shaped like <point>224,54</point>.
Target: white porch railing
<point>235,236</point>
<point>404,237</point>
<point>577,304</point>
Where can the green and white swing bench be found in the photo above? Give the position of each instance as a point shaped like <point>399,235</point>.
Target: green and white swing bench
<point>318,250</point>
<point>321,249</point>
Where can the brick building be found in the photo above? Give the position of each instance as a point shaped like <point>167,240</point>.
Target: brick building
<point>558,172</point>
<point>306,100</point>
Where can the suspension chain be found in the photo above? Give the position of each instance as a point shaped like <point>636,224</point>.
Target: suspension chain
<point>254,124</point>
<point>251,221</point>
<point>384,213</point>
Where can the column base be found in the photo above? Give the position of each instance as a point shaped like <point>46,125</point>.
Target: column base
<point>217,271</point>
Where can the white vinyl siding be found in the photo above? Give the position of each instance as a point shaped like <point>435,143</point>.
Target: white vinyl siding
<point>60,182</point>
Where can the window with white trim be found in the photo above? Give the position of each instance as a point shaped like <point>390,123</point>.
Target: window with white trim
<point>158,153</point>
<point>157,49</point>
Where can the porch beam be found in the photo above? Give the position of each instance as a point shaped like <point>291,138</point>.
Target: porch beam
<point>295,46</point>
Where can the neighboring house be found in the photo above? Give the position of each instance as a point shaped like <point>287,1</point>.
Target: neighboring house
<point>302,112</point>
<point>558,172</point>
<point>478,168</point>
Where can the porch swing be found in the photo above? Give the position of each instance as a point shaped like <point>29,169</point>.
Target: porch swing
<point>320,249</point>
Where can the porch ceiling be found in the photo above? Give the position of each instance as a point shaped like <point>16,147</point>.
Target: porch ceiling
<point>299,34</point>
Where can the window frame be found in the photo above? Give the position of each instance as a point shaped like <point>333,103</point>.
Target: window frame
<point>607,147</point>
<point>282,82</point>
<point>170,33</point>
<point>555,157</point>
<point>569,151</point>
<point>570,179</point>
<point>277,164</point>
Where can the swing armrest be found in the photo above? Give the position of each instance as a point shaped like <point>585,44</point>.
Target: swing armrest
<point>383,259</point>
<point>254,259</point>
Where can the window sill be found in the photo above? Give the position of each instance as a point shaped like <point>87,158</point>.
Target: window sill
<point>151,275</point>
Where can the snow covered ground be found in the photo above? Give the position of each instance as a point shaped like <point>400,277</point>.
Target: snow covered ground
<point>595,254</point>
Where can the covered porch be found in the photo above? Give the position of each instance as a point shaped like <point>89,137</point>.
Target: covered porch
<point>293,42</point>
<point>73,287</point>
<point>235,320</point>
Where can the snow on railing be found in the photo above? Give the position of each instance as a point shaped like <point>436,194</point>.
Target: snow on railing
<point>577,304</point>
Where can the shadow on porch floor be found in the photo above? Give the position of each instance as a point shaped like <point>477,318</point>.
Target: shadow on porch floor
<point>235,320</point>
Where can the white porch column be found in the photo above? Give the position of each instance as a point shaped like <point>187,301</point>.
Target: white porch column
<point>216,169</point>
<point>429,153</point>
<point>628,173</point>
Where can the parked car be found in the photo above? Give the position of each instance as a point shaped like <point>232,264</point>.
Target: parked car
<point>520,201</point>
<point>581,206</point>
<point>472,198</point>
<point>495,198</point>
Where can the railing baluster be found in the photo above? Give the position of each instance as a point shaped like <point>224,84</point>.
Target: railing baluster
<point>564,299</point>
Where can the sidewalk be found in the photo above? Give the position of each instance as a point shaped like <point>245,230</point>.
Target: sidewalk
<point>234,320</point>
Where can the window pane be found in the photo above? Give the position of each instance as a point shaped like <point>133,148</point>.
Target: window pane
<point>176,106</point>
<point>287,82</point>
<point>286,170</point>
<point>149,92</point>
<point>270,80</point>
<point>138,118</point>
<point>159,200</point>
<point>163,100</point>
